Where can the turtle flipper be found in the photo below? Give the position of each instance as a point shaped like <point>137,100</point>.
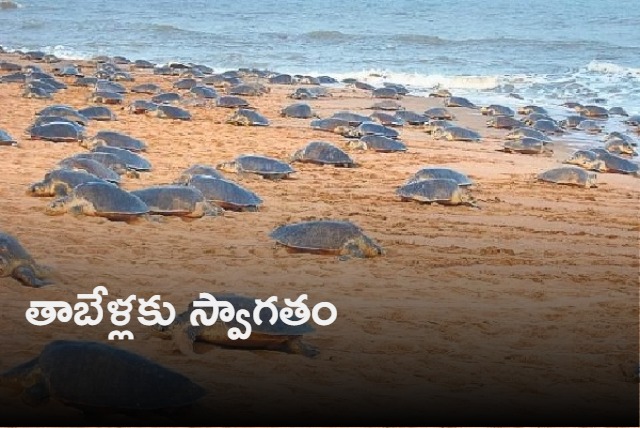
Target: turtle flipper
<point>353,249</point>
<point>28,277</point>
<point>36,394</point>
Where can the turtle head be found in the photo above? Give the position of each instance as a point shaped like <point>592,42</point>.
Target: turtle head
<point>227,166</point>
<point>362,246</point>
<point>298,155</point>
<point>40,188</point>
<point>357,144</point>
<point>58,206</point>
<point>344,130</point>
<point>23,376</point>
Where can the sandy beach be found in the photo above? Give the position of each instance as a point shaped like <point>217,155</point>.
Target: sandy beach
<point>532,295</point>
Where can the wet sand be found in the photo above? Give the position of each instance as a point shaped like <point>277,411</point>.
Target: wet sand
<point>534,295</point>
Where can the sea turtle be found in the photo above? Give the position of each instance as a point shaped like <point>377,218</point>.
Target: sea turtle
<point>377,143</point>
<point>277,337</point>
<point>617,164</point>
<point>389,105</point>
<point>548,127</point>
<point>353,119</point>
<point>203,92</point>
<point>246,117</point>
<point>165,111</point>
<point>388,93</point>
<point>142,106</point>
<point>176,200</point>
<point>225,193</point>
<point>110,161</point>
<point>439,125</point>
<point>618,111</point>
<point>458,102</point>
<point>330,124</point>
<point>616,135</point>
<point>586,159</point>
<point>60,182</point>
<point>503,122</point>
<point>97,113</point>
<point>456,133</point>
<point>364,86</point>
<point>532,118</point>
<point>281,79</point>
<point>64,111</point>
<point>185,84</point>
<point>411,117</point>
<point>255,164</point>
<point>302,94</point>
<point>632,120</point>
<point>298,111</point>
<point>143,64</point>
<point>115,139</point>
<point>250,90</point>
<point>326,236</point>
<point>619,146</point>
<point>440,93</point>
<point>497,110</point>
<point>386,119</point>
<point>109,86</point>
<point>93,376</point>
<point>323,153</point>
<point>92,166</point>
<point>439,113</point>
<point>368,128</point>
<point>231,101</point>
<point>443,191</point>
<point>147,88</point>
<point>569,175</point>
<point>131,160</point>
<point>400,89</point>
<point>6,139</point>
<point>593,111</point>
<point>57,132</point>
<point>571,122</point>
<point>37,92</point>
<point>589,126</point>
<point>528,109</point>
<point>105,97</point>
<point>430,173</point>
<point>197,169</point>
<point>166,98</point>
<point>100,199</point>
<point>572,105</point>
<point>17,263</point>
<point>525,145</point>
<point>528,132</point>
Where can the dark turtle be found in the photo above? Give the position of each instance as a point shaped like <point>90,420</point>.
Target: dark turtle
<point>65,112</point>
<point>60,182</point>
<point>389,93</point>
<point>298,111</point>
<point>364,86</point>
<point>277,337</point>
<point>388,105</point>
<point>458,102</point>
<point>386,119</point>
<point>57,132</point>
<point>92,166</point>
<point>443,191</point>
<point>185,84</point>
<point>527,132</point>
<point>525,145</point>
<point>368,128</point>
<point>618,111</point>
<point>115,139</point>
<point>203,92</point>
<point>143,64</point>
<point>430,173</point>
<point>231,101</point>
<point>617,164</point>
<point>503,122</point>
<point>17,77</point>
<point>37,92</point>
<point>147,88</point>
<point>330,124</point>
<point>632,120</point>
<point>165,111</point>
<point>569,175</point>
<point>142,106</point>
<point>104,97</point>
<point>166,98</point>
<point>100,199</point>
<point>176,200</point>
<point>109,86</point>
<point>246,117</point>
<point>548,127</point>
<point>378,143</point>
<point>131,160</point>
<point>619,146</point>
<point>411,117</point>
<point>281,79</point>
<point>439,113</point>
<point>400,89</point>
<point>497,110</point>
<point>17,263</point>
<point>586,159</point>
<point>323,153</point>
<point>197,169</point>
<point>456,133</point>
<point>93,377</point>
<point>255,164</point>
<point>97,113</point>
<point>353,119</point>
<point>571,122</point>
<point>109,161</point>
<point>528,109</point>
<point>327,236</point>
<point>6,139</point>
<point>593,111</point>
<point>225,193</point>
<point>248,90</point>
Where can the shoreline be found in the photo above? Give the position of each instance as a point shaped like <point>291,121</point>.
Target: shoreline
<point>524,298</point>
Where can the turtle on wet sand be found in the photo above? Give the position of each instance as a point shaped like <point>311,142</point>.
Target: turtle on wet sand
<point>93,376</point>
<point>323,153</point>
<point>327,237</point>
<point>443,191</point>
<point>17,263</point>
<point>277,337</point>
<point>586,159</point>
<point>569,175</point>
<point>264,166</point>
<point>100,200</point>
<point>176,200</point>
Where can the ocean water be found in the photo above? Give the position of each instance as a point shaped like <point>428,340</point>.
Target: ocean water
<point>548,51</point>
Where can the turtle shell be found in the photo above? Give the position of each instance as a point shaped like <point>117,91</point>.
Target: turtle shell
<point>57,132</point>
<point>97,113</point>
<point>569,175</point>
<point>225,193</point>
<point>108,200</point>
<point>118,139</point>
<point>321,152</point>
<point>170,199</point>
<point>6,139</point>
<point>165,111</point>
<point>431,173</point>
<point>298,111</point>
<point>441,190</point>
<point>60,182</point>
<point>130,159</point>
<point>231,101</point>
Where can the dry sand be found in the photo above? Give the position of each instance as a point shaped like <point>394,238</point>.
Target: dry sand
<point>535,295</point>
